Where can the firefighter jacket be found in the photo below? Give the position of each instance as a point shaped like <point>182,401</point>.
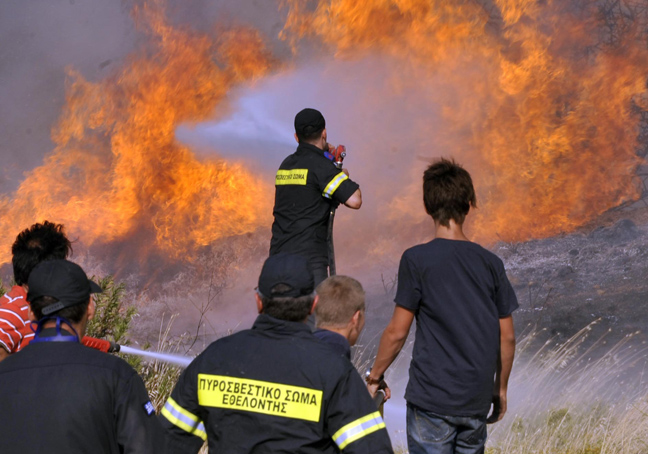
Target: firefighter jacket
<point>63,397</point>
<point>306,185</point>
<point>273,389</point>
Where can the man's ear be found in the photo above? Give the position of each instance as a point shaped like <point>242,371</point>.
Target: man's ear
<point>30,314</point>
<point>259,303</point>
<point>315,301</point>
<point>355,320</point>
<point>296,138</point>
<point>92,308</point>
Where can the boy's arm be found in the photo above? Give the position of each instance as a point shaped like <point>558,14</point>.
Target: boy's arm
<point>504,366</point>
<point>391,343</point>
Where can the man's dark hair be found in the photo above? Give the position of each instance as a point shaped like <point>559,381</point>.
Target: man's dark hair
<point>448,192</point>
<point>40,242</point>
<point>287,308</point>
<point>308,136</point>
<point>72,313</point>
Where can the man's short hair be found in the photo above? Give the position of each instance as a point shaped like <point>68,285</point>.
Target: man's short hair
<point>38,243</point>
<point>448,192</point>
<point>339,298</point>
<point>72,313</point>
<point>290,309</point>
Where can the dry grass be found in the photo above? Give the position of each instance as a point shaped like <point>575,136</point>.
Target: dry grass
<point>578,397</point>
<point>581,396</point>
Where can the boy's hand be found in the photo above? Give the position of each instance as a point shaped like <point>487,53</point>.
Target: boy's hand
<point>375,387</point>
<point>499,408</point>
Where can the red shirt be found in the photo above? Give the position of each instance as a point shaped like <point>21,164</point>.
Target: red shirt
<point>15,327</point>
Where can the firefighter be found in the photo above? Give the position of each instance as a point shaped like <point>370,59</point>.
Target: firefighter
<point>275,387</point>
<point>58,396</point>
<point>307,184</point>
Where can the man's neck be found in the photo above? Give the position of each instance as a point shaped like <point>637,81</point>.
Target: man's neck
<point>78,327</point>
<point>453,231</point>
<point>316,145</point>
<point>344,332</point>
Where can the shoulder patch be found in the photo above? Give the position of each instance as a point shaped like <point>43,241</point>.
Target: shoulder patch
<point>148,407</point>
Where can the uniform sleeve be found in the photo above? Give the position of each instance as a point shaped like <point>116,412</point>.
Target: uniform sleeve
<point>353,421</point>
<point>185,431</point>
<point>505,298</point>
<point>12,324</point>
<point>335,184</point>
<point>138,429</point>
<point>408,293</point>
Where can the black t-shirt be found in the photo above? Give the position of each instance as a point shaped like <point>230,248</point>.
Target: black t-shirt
<point>307,183</point>
<point>458,291</point>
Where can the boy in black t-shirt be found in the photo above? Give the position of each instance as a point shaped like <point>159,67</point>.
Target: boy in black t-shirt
<point>465,343</point>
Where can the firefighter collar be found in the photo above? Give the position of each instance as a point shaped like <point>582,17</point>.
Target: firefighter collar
<point>270,324</point>
<point>319,151</point>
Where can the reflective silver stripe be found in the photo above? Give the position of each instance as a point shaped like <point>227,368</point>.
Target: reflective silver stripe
<point>358,429</point>
<point>334,184</point>
<point>183,419</point>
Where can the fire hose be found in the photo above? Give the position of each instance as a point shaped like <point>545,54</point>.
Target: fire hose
<point>113,347</point>
<point>339,153</point>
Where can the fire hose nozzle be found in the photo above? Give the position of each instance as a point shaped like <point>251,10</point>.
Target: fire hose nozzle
<point>101,344</point>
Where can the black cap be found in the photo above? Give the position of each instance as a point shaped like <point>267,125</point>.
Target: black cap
<point>290,270</point>
<point>309,121</point>
<point>63,280</point>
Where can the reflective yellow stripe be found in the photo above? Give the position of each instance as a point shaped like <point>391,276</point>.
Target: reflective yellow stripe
<point>334,184</point>
<point>358,429</point>
<point>294,176</point>
<point>183,419</point>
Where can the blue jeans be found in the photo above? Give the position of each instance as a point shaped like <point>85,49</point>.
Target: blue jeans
<point>429,433</point>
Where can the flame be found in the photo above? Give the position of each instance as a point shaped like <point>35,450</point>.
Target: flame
<point>544,98</point>
<point>117,168</point>
<point>541,101</point>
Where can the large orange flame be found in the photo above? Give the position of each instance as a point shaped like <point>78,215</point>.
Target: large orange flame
<point>542,105</point>
<point>117,167</point>
<point>540,101</point>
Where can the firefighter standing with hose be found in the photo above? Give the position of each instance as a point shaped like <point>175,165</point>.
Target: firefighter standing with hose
<point>310,184</point>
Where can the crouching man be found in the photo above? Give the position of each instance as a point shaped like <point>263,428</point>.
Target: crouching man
<point>58,396</point>
<point>274,388</point>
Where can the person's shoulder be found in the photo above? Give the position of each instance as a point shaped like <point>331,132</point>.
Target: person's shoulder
<point>485,253</point>
<point>16,295</point>
<point>104,361</point>
<point>419,251</point>
<point>326,356</point>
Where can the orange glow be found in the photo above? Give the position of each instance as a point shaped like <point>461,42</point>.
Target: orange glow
<point>540,111</point>
<point>533,100</point>
<point>117,167</point>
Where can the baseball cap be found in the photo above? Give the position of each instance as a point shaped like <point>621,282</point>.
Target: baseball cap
<point>63,280</point>
<point>308,121</point>
<point>288,269</point>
